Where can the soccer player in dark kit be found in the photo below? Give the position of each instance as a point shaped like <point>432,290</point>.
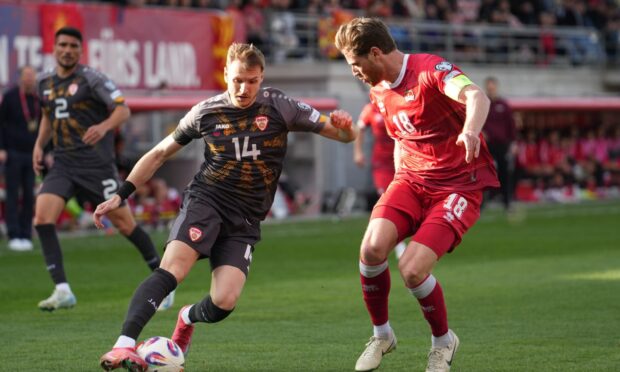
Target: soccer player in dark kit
<point>245,132</point>
<point>81,108</point>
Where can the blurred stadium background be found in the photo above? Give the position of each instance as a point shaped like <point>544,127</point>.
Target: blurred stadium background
<point>557,62</point>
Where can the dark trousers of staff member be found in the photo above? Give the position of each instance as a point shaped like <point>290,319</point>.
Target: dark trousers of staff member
<point>503,161</point>
<point>19,194</point>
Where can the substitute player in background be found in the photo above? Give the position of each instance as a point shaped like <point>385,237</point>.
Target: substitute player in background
<point>81,108</point>
<point>435,114</point>
<point>245,132</point>
<point>382,160</point>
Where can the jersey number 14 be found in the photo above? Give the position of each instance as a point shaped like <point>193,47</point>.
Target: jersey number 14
<point>245,152</point>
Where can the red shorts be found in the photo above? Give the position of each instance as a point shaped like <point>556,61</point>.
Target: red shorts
<point>435,218</point>
<point>382,179</point>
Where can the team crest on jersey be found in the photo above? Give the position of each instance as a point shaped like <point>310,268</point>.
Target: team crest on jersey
<point>409,95</point>
<point>73,88</point>
<point>443,66</point>
<point>195,234</point>
<point>304,106</point>
<point>261,122</point>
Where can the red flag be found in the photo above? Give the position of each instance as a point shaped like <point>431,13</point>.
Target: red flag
<point>56,16</point>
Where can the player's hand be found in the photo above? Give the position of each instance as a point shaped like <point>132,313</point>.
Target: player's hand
<point>37,160</point>
<point>105,207</point>
<point>94,134</point>
<point>3,156</point>
<point>341,119</point>
<point>472,145</point>
<point>359,159</point>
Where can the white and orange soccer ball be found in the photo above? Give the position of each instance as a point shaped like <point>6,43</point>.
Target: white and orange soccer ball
<point>161,355</point>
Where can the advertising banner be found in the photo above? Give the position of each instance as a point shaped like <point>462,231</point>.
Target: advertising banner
<point>139,48</point>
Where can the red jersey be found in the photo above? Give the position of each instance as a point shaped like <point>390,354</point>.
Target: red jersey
<point>426,122</point>
<point>383,146</point>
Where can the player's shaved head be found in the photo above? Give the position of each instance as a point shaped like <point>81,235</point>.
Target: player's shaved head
<point>249,55</point>
<point>360,34</point>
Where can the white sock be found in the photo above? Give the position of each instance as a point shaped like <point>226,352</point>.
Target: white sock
<point>185,315</point>
<point>124,341</point>
<point>442,341</point>
<point>63,287</point>
<point>383,330</point>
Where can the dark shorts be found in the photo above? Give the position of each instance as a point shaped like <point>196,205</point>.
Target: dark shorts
<point>228,240</point>
<point>92,185</point>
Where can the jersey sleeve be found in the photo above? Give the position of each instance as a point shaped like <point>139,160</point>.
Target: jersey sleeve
<point>446,77</point>
<point>364,119</point>
<point>43,93</point>
<point>189,126</point>
<point>105,89</point>
<point>298,116</point>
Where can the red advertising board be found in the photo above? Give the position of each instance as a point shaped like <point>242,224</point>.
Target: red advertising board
<point>139,48</point>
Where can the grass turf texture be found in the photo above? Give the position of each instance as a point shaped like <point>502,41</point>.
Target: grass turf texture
<point>539,294</point>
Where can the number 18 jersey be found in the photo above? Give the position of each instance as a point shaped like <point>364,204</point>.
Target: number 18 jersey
<point>426,122</point>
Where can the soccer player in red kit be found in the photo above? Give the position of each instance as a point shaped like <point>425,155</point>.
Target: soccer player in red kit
<point>382,161</point>
<point>435,115</point>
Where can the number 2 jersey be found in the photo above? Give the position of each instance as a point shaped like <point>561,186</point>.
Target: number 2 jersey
<point>422,115</point>
<point>72,105</point>
<point>244,148</point>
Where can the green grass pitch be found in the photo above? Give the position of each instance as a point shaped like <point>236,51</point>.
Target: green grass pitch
<point>539,294</point>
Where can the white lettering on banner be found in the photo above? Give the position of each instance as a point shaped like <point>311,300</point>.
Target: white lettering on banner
<point>28,50</point>
<point>173,64</point>
<point>4,60</point>
<point>130,63</point>
<point>116,58</point>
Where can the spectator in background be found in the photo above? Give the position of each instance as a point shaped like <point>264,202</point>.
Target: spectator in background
<point>255,23</point>
<point>19,121</point>
<point>283,35</point>
<point>547,42</point>
<point>500,132</point>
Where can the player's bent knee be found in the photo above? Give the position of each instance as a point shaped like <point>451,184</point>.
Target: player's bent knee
<point>209,312</point>
<point>372,253</point>
<point>412,274</point>
<point>226,301</point>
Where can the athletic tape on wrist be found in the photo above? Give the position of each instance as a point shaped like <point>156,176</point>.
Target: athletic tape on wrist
<point>126,189</point>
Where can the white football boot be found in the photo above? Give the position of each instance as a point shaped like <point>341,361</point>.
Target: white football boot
<point>375,349</point>
<point>440,358</point>
<point>167,302</point>
<point>58,300</point>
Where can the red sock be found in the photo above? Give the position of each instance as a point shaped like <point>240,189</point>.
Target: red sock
<point>376,289</point>
<point>433,305</point>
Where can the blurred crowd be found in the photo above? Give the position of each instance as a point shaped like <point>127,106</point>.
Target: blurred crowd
<point>568,164</point>
<point>276,17</point>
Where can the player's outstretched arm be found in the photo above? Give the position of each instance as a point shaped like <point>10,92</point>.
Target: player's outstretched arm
<point>339,126</point>
<point>477,107</point>
<point>140,174</point>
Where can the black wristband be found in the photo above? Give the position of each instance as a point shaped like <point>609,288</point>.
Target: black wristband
<point>126,189</point>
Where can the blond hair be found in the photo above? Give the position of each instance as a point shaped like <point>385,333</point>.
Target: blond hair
<point>360,34</point>
<point>247,54</point>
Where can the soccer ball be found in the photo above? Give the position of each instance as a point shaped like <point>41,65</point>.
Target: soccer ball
<point>161,355</point>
